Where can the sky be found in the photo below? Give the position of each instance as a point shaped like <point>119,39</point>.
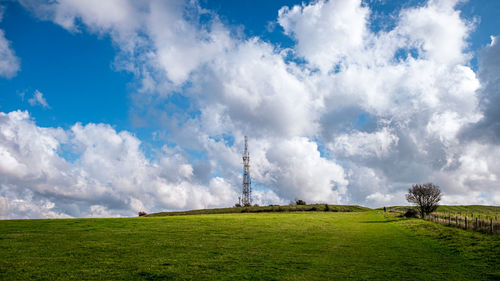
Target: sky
<point>108,108</point>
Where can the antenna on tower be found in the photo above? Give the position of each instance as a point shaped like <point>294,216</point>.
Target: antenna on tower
<point>247,183</point>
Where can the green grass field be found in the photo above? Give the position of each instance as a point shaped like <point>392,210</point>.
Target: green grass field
<point>486,212</point>
<point>367,245</point>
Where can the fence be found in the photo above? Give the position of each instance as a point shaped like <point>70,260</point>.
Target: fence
<point>485,224</point>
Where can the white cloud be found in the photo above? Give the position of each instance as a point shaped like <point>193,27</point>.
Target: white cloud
<point>379,198</point>
<point>377,144</point>
<point>488,128</point>
<point>437,30</point>
<point>254,89</point>
<point>38,99</point>
<point>422,101</point>
<point>109,176</point>
<point>327,32</point>
<point>295,169</point>
<point>9,63</point>
<point>184,47</point>
<point>14,207</point>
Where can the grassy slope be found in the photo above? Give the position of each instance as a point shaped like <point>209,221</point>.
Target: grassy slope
<point>486,211</point>
<point>475,209</point>
<point>261,209</point>
<point>302,246</point>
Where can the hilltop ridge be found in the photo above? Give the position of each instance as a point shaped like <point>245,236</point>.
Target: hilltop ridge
<point>267,209</point>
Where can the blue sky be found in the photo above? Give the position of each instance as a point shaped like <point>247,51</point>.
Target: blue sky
<point>176,85</point>
<point>74,71</point>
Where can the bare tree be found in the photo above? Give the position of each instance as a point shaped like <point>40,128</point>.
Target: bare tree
<point>426,196</point>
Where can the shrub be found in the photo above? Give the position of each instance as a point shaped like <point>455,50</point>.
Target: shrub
<point>300,202</point>
<point>411,213</point>
<point>327,208</point>
<point>142,213</point>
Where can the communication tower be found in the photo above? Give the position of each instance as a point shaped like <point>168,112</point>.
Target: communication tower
<point>247,183</point>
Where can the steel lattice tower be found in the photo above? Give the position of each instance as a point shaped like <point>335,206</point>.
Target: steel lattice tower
<point>247,183</point>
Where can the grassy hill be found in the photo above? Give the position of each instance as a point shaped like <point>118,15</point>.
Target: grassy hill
<point>468,209</point>
<point>368,245</point>
<point>267,209</point>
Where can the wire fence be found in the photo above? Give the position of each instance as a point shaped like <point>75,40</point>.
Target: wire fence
<point>486,223</point>
<point>481,223</point>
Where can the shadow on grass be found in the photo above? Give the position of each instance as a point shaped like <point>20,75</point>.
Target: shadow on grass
<point>144,275</point>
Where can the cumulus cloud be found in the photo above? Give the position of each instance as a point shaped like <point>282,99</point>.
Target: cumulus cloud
<point>488,128</point>
<point>9,63</point>
<point>92,170</point>
<point>380,198</point>
<point>362,118</point>
<point>295,169</point>
<point>437,30</point>
<point>365,144</point>
<point>327,32</point>
<point>415,89</point>
<point>38,99</point>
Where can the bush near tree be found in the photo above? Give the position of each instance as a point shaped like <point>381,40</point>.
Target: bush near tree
<point>300,202</point>
<point>411,213</point>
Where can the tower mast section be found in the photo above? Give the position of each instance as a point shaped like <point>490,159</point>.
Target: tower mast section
<point>247,183</point>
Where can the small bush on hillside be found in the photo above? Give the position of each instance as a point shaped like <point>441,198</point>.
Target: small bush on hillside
<point>300,202</point>
<point>142,213</point>
<point>411,213</point>
<point>327,208</point>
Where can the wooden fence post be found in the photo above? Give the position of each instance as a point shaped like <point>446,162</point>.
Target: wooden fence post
<point>465,222</point>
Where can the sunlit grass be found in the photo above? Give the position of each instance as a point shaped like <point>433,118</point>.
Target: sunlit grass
<point>288,246</point>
